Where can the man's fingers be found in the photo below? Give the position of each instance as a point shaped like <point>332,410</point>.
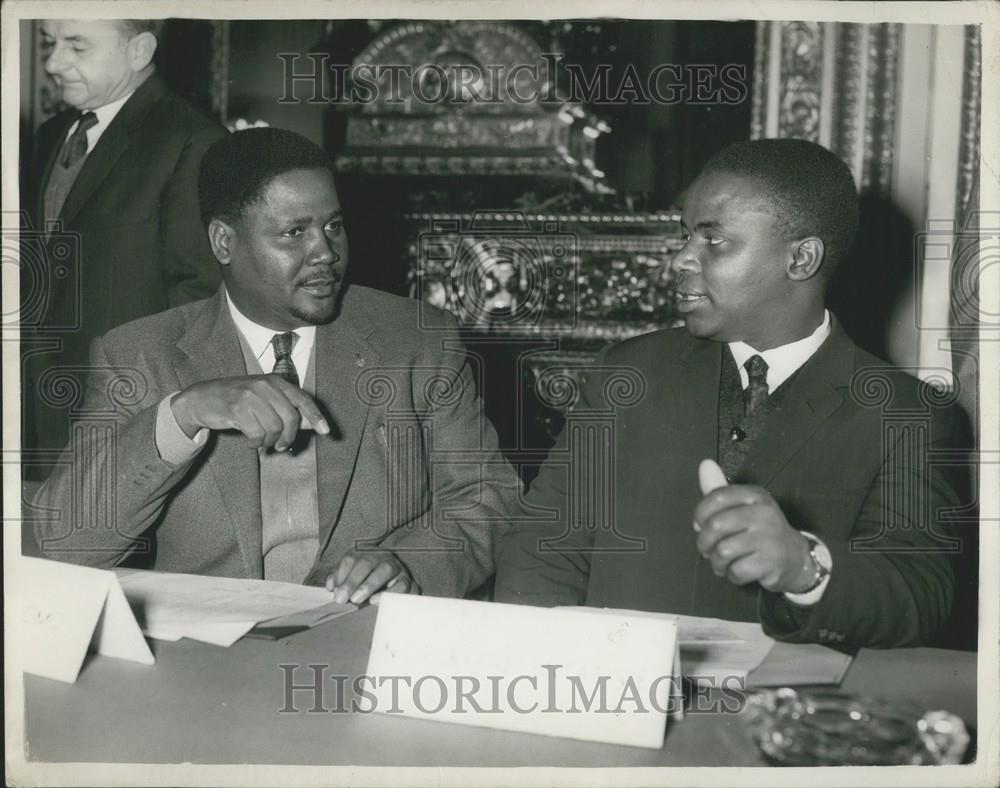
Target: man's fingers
<point>745,570</point>
<point>340,575</point>
<point>308,413</point>
<point>720,525</point>
<point>360,569</point>
<point>365,579</point>
<point>400,584</point>
<point>278,394</point>
<point>270,419</point>
<point>711,476</point>
<point>730,549</point>
<point>725,498</point>
<point>247,422</point>
<point>378,578</point>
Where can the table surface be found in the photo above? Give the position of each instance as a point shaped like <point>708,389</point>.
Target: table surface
<point>204,704</point>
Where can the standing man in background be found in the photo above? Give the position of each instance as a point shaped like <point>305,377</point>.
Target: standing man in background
<point>112,197</point>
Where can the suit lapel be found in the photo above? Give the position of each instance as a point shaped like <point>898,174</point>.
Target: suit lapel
<point>694,400</point>
<point>110,147</point>
<point>342,353</point>
<point>812,398</point>
<point>212,350</point>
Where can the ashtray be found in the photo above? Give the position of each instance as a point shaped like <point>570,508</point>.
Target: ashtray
<point>829,728</point>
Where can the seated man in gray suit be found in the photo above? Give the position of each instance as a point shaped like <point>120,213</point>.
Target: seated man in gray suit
<point>834,527</point>
<point>290,427</point>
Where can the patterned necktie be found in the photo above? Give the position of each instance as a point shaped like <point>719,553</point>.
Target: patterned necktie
<point>283,366</point>
<point>755,394</point>
<point>76,146</point>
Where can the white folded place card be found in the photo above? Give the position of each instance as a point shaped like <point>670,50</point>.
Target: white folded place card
<point>66,609</point>
<point>612,677</point>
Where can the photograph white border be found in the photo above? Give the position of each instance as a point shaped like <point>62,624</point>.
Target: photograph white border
<point>984,772</point>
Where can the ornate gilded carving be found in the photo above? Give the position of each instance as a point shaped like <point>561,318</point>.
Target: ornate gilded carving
<point>850,76</point>
<point>863,84</point>
<point>457,131</point>
<point>762,44</point>
<point>968,152</point>
<point>438,52</point>
<point>583,276</point>
<point>885,58</point>
<point>881,63</point>
<point>461,98</point>
<point>801,75</point>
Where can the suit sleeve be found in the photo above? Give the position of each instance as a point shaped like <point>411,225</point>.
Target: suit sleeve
<point>544,559</point>
<point>893,581</point>
<point>110,484</point>
<point>449,546</point>
<point>189,267</point>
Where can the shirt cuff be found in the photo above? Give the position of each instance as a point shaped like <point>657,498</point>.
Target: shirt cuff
<point>174,446</point>
<point>810,598</point>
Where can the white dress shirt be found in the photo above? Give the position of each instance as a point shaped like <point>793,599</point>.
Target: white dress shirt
<point>782,362</point>
<point>105,115</point>
<point>172,443</point>
<point>259,339</point>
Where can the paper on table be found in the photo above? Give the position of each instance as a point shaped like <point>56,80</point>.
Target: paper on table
<point>215,633</point>
<point>596,667</point>
<point>63,609</point>
<point>312,617</point>
<point>795,664</point>
<point>713,648</point>
<point>217,610</point>
<point>716,648</point>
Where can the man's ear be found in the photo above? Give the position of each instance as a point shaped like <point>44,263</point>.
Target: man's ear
<point>807,259</point>
<point>220,236</point>
<point>141,49</point>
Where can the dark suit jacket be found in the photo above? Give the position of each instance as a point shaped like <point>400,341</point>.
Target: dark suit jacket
<point>839,458</point>
<point>131,242</point>
<point>413,465</point>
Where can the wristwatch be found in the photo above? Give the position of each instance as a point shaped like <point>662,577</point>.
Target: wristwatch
<point>822,561</point>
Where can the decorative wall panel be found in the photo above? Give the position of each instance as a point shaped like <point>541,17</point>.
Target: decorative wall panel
<point>836,85</point>
<point>421,113</point>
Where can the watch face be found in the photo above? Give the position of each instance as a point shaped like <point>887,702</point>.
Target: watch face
<point>822,557</point>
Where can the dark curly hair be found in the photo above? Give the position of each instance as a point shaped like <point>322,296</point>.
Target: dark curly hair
<point>237,169</point>
<point>811,189</point>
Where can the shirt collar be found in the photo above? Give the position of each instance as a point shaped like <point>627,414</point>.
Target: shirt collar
<point>258,337</point>
<point>107,113</point>
<point>784,360</point>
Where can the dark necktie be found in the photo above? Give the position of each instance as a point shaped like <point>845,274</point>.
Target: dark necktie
<point>755,394</point>
<point>76,146</point>
<point>283,366</point>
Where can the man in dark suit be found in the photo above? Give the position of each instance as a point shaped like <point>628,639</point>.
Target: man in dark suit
<point>112,198</point>
<point>831,528</point>
<point>288,427</point>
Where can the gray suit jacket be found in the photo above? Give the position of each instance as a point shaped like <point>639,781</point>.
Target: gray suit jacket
<point>412,464</point>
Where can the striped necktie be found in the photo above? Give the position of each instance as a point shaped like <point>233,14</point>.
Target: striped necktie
<point>283,365</point>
